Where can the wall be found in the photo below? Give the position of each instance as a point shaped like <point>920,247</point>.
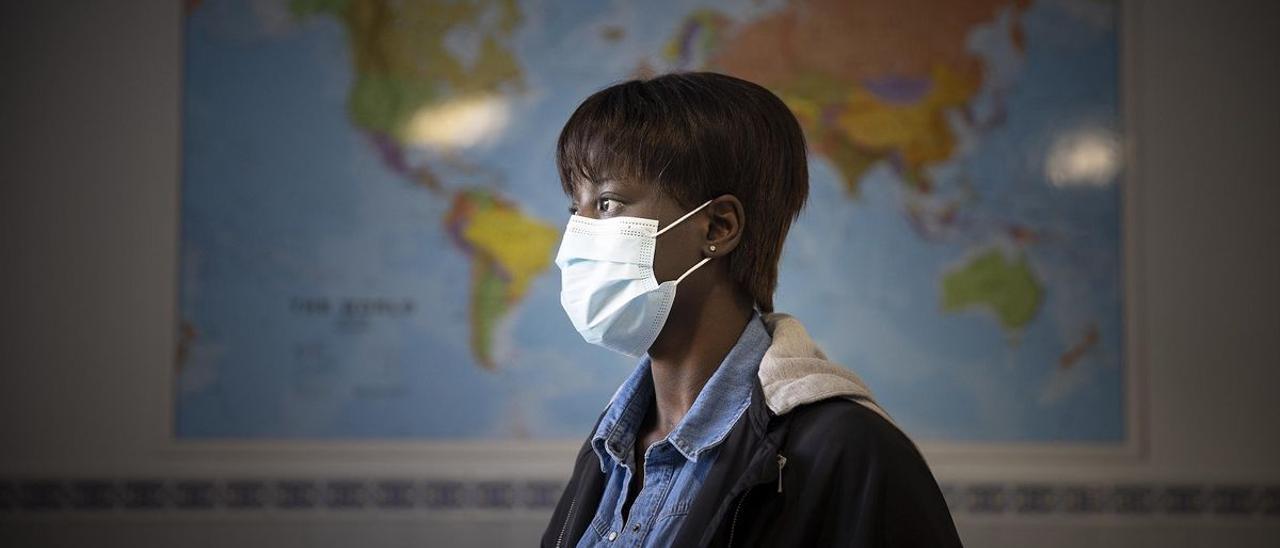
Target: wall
<point>88,217</point>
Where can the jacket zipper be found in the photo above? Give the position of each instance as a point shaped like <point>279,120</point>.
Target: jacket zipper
<point>573,501</point>
<point>782,461</point>
<point>733,527</point>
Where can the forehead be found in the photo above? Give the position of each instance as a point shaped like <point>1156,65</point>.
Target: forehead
<point>623,185</point>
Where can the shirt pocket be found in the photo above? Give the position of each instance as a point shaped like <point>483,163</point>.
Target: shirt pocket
<point>600,526</point>
<point>677,510</point>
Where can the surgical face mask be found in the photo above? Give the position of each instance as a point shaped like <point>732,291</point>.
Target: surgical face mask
<point>607,282</point>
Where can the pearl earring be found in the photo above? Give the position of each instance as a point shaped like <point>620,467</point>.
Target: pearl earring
<point>713,249</point>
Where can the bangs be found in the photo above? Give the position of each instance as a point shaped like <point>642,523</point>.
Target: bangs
<point>623,134</point>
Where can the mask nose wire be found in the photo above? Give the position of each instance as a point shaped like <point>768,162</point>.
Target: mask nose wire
<point>682,218</point>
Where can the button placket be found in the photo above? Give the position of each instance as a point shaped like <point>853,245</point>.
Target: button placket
<point>660,470</point>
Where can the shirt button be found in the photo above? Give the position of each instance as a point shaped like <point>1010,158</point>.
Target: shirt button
<point>612,535</point>
<point>635,527</point>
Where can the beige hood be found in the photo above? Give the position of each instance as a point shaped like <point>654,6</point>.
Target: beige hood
<point>794,371</point>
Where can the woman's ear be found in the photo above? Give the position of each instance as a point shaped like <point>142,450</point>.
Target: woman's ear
<point>725,229</point>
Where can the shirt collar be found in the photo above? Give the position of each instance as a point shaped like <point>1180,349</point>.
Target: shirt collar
<point>717,408</point>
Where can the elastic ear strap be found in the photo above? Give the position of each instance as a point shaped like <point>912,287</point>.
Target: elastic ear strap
<point>681,219</point>
<point>690,271</point>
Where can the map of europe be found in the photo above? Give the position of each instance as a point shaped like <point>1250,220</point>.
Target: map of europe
<point>370,209</point>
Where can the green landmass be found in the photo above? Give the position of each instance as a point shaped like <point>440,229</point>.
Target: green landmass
<point>508,250</point>
<point>402,63</point>
<point>992,281</point>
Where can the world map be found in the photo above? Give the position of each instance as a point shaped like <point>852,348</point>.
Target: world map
<point>370,208</point>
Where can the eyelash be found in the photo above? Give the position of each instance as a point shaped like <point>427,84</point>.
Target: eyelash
<point>574,211</point>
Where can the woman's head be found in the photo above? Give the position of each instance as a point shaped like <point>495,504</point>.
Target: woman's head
<point>657,148</point>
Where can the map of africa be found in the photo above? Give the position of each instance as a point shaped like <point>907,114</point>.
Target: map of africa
<point>370,209</point>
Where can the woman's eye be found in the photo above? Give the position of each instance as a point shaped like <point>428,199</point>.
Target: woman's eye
<point>606,204</point>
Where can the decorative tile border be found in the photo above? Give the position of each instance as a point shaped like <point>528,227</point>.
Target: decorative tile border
<point>89,495</point>
<point>35,496</point>
<point>1122,499</point>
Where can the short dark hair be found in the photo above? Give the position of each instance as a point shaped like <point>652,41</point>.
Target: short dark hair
<point>698,135</point>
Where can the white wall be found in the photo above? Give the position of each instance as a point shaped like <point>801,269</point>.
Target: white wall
<point>89,104</point>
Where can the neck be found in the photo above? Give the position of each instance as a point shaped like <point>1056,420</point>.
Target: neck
<point>688,352</point>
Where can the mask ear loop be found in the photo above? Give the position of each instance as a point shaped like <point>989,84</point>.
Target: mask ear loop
<point>681,219</point>
<point>678,221</point>
<point>690,271</point>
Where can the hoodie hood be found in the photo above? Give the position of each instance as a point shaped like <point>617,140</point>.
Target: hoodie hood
<point>794,371</point>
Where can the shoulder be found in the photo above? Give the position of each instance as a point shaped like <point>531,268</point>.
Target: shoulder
<point>847,429</point>
<point>869,469</point>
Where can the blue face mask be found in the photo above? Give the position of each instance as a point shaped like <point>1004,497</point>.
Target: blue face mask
<point>607,284</point>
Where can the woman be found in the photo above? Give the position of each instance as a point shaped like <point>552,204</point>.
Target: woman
<point>734,429</point>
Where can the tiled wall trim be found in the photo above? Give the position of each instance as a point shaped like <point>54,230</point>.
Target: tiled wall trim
<point>44,495</point>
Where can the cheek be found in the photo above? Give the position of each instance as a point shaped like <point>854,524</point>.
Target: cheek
<point>674,256</point>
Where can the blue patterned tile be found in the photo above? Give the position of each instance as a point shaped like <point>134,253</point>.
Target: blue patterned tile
<point>144,494</point>
<point>345,494</point>
<point>297,494</point>
<point>1133,499</point>
<point>1082,499</point>
<point>1183,499</point>
<point>42,495</point>
<point>495,494</point>
<point>94,495</point>
<point>194,494</point>
<point>8,496</point>
<point>542,494</point>
<point>987,498</point>
<point>395,494</point>
<point>245,494</point>
<point>443,494</point>
<point>1034,499</point>
<point>1270,500</point>
<point>1235,500</point>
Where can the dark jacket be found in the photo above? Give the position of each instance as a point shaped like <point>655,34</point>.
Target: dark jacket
<point>813,462</point>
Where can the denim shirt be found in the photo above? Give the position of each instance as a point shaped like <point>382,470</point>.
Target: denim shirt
<point>674,467</point>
